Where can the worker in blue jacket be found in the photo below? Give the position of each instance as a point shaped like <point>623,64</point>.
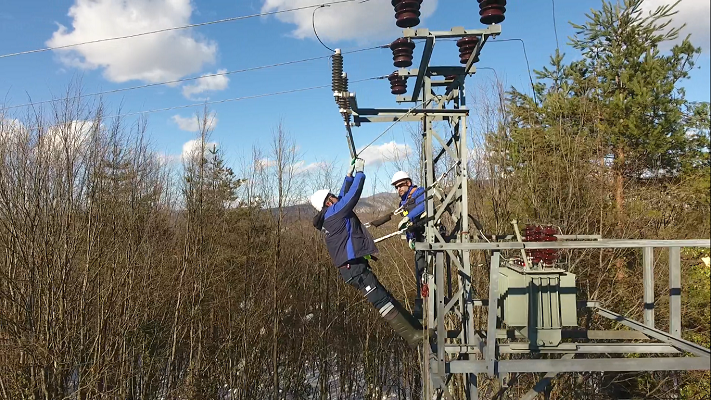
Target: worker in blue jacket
<point>412,203</point>
<point>351,247</point>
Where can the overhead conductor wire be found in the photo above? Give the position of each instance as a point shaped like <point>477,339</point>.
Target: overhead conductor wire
<point>256,96</point>
<point>313,24</point>
<point>175,28</point>
<point>187,79</point>
<point>528,65</point>
<point>555,27</point>
<point>394,123</point>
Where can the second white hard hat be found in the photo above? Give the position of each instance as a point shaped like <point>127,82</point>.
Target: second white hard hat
<point>399,176</point>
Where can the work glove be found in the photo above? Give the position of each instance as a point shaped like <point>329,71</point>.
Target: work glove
<point>359,165</point>
<point>351,168</point>
<point>411,243</point>
<point>404,224</point>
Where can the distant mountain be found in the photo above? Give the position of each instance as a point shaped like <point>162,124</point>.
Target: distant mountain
<point>372,205</point>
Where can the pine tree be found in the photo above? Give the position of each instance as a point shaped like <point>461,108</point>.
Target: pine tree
<point>641,105</point>
<point>622,101</point>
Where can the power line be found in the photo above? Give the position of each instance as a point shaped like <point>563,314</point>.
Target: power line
<point>424,104</point>
<point>188,79</point>
<point>313,24</point>
<point>528,65</point>
<point>555,27</point>
<point>175,28</point>
<point>256,96</point>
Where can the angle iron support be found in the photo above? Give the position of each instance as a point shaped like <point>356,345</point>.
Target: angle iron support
<point>453,301</point>
<point>679,343</point>
<point>441,329</point>
<point>445,71</point>
<point>400,112</point>
<point>474,56</point>
<point>448,200</point>
<point>675,292</point>
<point>443,151</point>
<point>424,63</point>
<point>597,244</point>
<point>648,278</point>
<point>457,31</point>
<point>452,153</point>
<point>491,342</point>
<point>597,348</point>
<point>353,103</point>
<point>544,383</point>
<point>585,365</point>
<point>359,120</point>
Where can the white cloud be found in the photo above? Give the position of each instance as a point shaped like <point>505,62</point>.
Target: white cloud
<point>264,163</point>
<point>10,128</point>
<point>363,21</point>
<point>208,84</point>
<point>166,159</point>
<point>696,14</point>
<point>386,152</point>
<point>191,148</point>
<point>151,58</point>
<point>192,124</point>
<point>10,124</point>
<point>301,167</point>
<point>71,136</point>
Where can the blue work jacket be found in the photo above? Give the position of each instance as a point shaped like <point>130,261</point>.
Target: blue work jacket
<point>346,238</point>
<point>413,203</point>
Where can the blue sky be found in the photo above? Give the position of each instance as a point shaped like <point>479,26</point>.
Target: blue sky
<point>310,117</point>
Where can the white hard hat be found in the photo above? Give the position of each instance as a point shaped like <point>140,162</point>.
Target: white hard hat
<point>399,176</point>
<point>318,198</point>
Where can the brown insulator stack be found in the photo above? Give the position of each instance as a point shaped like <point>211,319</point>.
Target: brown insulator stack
<point>337,74</point>
<point>344,104</point>
<point>402,52</point>
<point>492,11</point>
<point>549,256</point>
<point>407,12</point>
<point>343,100</point>
<point>398,84</point>
<point>536,233</point>
<point>467,45</point>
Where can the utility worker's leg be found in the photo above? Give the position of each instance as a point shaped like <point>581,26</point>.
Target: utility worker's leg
<point>420,267</point>
<point>362,278</point>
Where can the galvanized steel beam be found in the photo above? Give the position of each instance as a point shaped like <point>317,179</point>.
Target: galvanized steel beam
<point>598,244</point>
<point>679,343</point>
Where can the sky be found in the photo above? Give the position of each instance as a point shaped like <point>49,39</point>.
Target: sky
<point>310,117</point>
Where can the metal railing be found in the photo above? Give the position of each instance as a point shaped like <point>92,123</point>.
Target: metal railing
<point>489,349</point>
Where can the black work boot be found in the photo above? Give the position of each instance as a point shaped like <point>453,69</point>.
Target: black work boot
<point>403,324</point>
<point>417,309</point>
